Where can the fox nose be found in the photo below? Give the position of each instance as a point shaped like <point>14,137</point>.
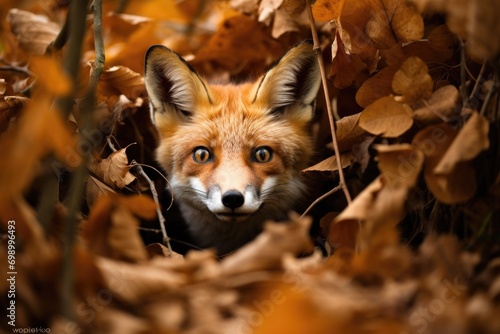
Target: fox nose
<point>233,199</point>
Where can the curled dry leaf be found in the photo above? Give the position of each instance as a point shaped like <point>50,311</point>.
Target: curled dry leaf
<point>393,21</point>
<point>95,189</point>
<point>454,187</point>
<point>112,230</point>
<point>470,141</point>
<point>413,81</point>
<point>330,164</point>
<point>33,32</point>
<point>119,80</point>
<point>377,86</point>
<point>114,170</point>
<point>400,164</point>
<point>268,248</point>
<point>441,105</point>
<point>386,117</point>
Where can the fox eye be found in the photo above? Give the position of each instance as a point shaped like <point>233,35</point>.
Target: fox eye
<point>201,154</point>
<point>262,154</point>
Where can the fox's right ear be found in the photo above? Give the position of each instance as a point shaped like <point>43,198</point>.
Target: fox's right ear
<point>172,85</point>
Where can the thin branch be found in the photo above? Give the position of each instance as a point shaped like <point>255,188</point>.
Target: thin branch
<point>319,199</point>
<point>154,193</point>
<point>61,38</point>
<point>479,81</point>
<point>463,74</point>
<point>77,20</point>
<point>317,50</point>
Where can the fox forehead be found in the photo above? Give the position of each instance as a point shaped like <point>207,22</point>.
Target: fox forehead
<point>231,121</point>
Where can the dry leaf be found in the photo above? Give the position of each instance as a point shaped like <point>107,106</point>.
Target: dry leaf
<point>441,105</point>
<point>393,21</point>
<point>469,142</point>
<point>345,65</point>
<point>112,231</point>
<point>413,81</point>
<point>33,32</point>
<point>114,170</point>
<point>386,117</point>
<point>378,86</point>
<point>475,21</point>
<point>330,164</point>
<point>348,132</point>
<point>454,187</point>
<point>400,164</point>
<point>10,108</point>
<point>327,10</point>
<point>267,249</point>
<point>119,80</point>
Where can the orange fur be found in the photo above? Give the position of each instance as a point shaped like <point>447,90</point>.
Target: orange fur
<point>231,122</point>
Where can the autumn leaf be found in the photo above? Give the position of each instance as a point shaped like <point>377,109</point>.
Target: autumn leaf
<point>393,21</point>
<point>413,81</point>
<point>330,164</point>
<point>440,106</point>
<point>114,170</point>
<point>327,10</point>
<point>121,80</point>
<point>377,86</point>
<point>386,117</point>
<point>50,75</point>
<point>33,32</point>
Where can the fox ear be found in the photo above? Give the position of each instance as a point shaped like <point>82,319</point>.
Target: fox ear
<point>294,79</point>
<point>172,85</point>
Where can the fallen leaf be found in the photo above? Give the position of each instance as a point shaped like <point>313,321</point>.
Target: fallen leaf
<point>119,80</point>
<point>413,81</point>
<point>33,32</point>
<point>327,10</point>
<point>114,170</point>
<point>96,189</point>
<point>112,231</point>
<point>393,21</point>
<point>267,249</point>
<point>330,164</point>
<point>440,106</point>
<point>455,187</point>
<point>10,108</point>
<point>386,117</point>
<point>469,142</point>
<point>346,66</point>
<point>377,86</point>
<point>348,132</point>
<point>400,164</point>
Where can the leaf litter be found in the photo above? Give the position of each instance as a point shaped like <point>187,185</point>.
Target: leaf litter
<point>418,139</point>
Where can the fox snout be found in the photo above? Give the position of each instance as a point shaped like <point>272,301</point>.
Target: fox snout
<point>233,199</point>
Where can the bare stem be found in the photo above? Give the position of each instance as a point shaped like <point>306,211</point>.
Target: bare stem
<point>317,50</point>
<point>154,193</point>
<point>319,199</point>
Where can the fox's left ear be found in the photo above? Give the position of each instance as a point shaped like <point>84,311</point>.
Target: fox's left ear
<point>293,80</point>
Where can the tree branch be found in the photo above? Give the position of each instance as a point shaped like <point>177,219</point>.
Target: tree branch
<point>317,50</point>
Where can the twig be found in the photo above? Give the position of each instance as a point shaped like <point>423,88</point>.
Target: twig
<point>61,38</point>
<point>463,74</point>
<point>317,50</point>
<point>76,34</point>
<point>478,81</point>
<point>154,193</point>
<point>319,199</point>
<point>487,99</point>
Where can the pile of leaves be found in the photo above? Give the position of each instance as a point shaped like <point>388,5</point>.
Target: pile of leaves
<point>414,90</point>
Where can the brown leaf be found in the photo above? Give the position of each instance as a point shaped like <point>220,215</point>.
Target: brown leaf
<point>327,10</point>
<point>441,105</point>
<point>345,64</point>
<point>413,81</point>
<point>96,189</point>
<point>33,32</point>
<point>121,80</point>
<point>400,164</point>
<point>475,21</point>
<point>457,186</point>
<point>394,21</point>
<point>376,87</point>
<point>266,250</point>
<point>470,141</point>
<point>348,132</point>
<point>386,117</point>
<point>114,170</point>
<point>330,164</point>
<point>10,108</point>
<point>112,230</point>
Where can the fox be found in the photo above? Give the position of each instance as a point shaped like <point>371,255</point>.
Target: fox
<point>233,153</point>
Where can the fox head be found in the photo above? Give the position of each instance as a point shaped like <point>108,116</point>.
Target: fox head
<point>233,153</point>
